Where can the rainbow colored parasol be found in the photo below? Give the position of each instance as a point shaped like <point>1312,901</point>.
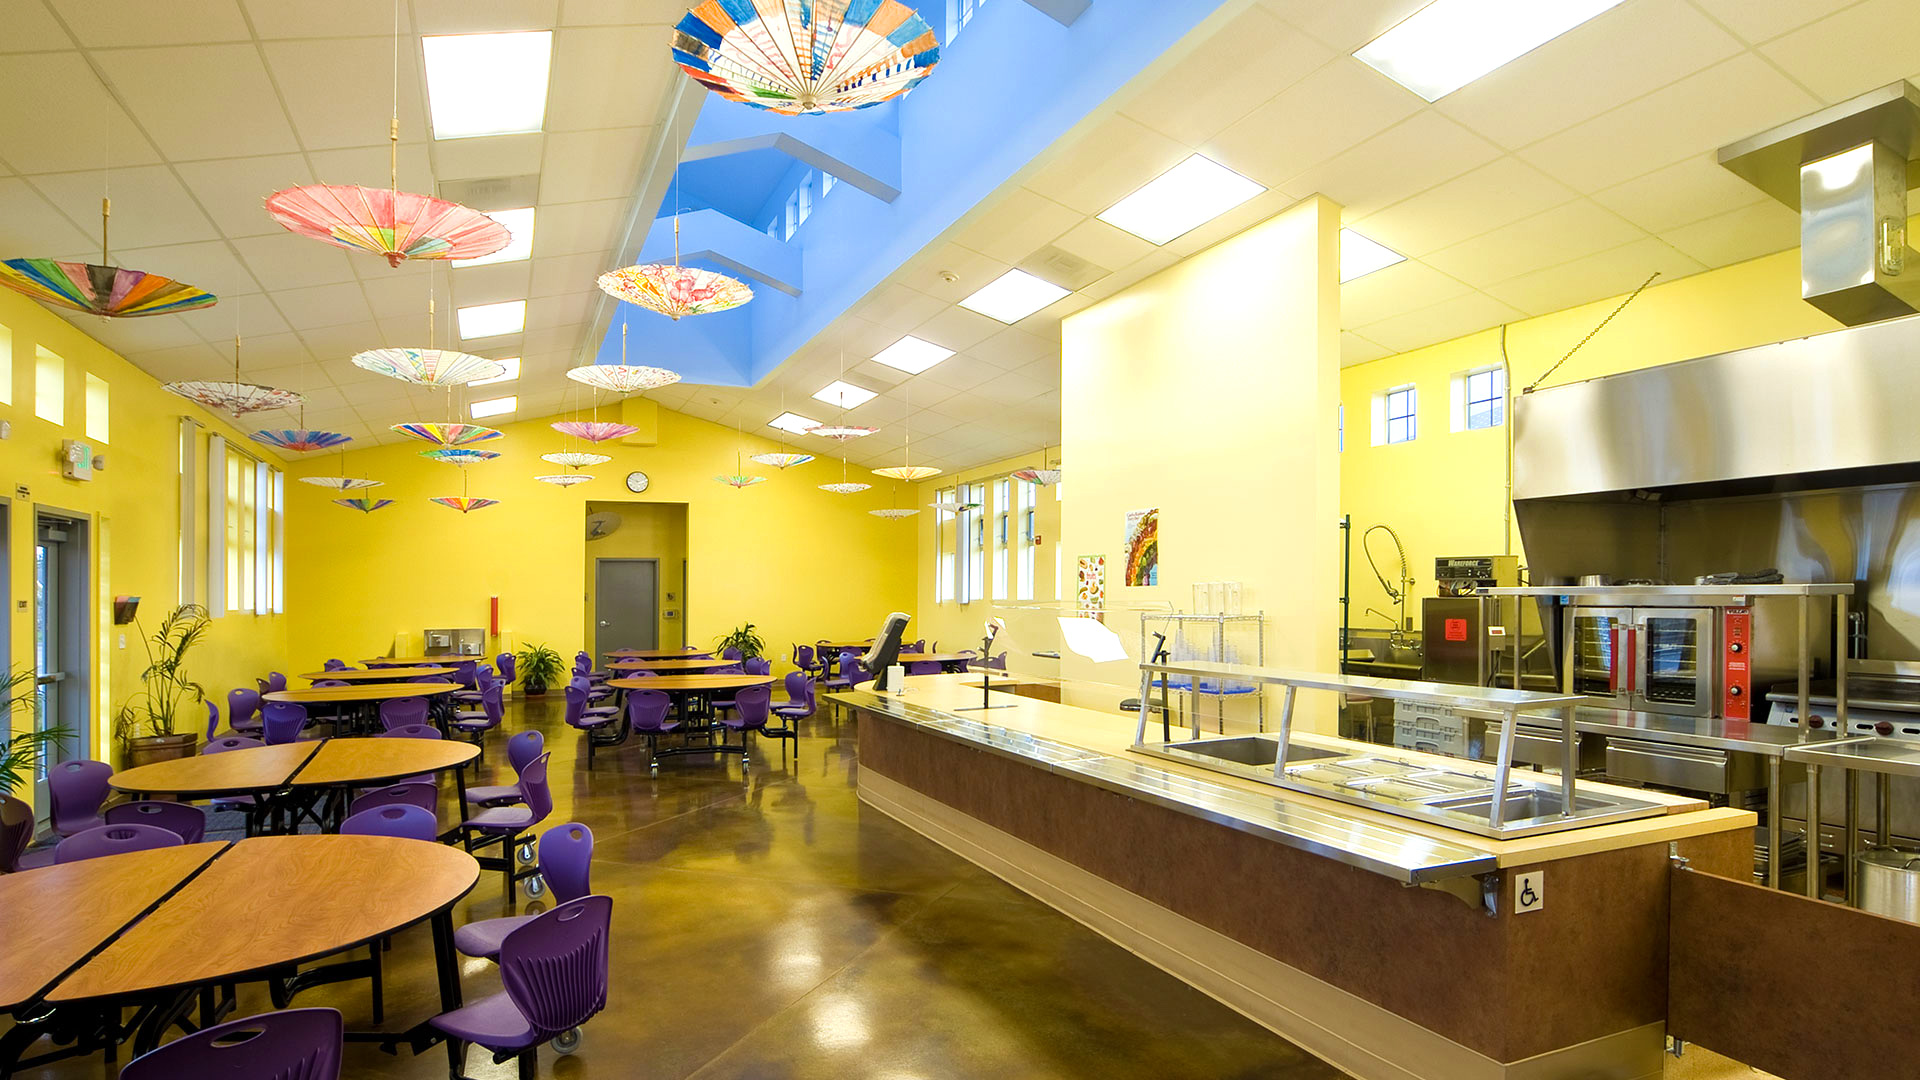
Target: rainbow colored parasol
<point>594,431</point>
<point>399,225</point>
<point>623,378</point>
<point>112,291</point>
<point>674,290</point>
<point>466,504</point>
<point>574,459</point>
<point>451,434</point>
<point>782,459</point>
<point>808,57</point>
<point>429,367</point>
<point>459,455</point>
<point>341,483</point>
<point>365,506</point>
<point>300,440</point>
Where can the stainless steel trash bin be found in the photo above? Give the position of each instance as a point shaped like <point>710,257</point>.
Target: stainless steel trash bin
<point>1890,883</point>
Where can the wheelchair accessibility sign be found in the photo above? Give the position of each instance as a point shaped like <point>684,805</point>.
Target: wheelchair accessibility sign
<point>1529,891</point>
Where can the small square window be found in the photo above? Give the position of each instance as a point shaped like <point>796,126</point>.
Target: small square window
<point>1486,398</point>
<point>1400,415</point>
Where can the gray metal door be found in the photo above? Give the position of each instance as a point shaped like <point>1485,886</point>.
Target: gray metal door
<point>59,644</point>
<point>626,604</point>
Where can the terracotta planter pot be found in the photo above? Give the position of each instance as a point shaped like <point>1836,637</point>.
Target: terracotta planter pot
<point>148,749</point>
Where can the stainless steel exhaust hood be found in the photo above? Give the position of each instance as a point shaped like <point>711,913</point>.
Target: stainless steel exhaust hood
<point>1847,169</point>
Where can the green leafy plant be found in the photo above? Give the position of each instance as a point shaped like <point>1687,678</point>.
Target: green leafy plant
<point>20,753</point>
<point>165,688</point>
<point>538,667</point>
<point>742,637</point>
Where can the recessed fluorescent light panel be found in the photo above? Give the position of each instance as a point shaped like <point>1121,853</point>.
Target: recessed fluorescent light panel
<point>1360,256</point>
<point>793,423</point>
<point>912,355</point>
<point>1449,43</point>
<point>487,84</point>
<point>520,224</point>
<point>844,394</point>
<point>1181,199</point>
<point>493,320</point>
<point>1013,296</point>
<point>511,363</point>
<point>499,406</point>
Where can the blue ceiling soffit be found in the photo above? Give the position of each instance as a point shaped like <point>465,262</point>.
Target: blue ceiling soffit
<point>1018,78</point>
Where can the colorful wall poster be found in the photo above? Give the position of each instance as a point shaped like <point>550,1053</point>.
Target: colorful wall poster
<point>1142,550</point>
<point>1090,588</point>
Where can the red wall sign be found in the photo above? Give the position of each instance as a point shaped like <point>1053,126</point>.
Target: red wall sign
<point>1456,629</point>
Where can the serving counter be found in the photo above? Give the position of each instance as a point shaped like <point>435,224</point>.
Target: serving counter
<point>1391,946</point>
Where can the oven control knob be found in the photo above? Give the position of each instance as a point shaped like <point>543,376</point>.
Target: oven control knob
<point>1817,722</point>
<point>1883,728</point>
<point>1736,647</point>
<point>1735,691</point>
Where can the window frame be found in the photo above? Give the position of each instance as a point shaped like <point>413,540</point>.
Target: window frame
<point>1386,403</point>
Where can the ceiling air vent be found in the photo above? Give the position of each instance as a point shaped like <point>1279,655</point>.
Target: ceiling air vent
<point>1062,268</point>
<point>489,193</point>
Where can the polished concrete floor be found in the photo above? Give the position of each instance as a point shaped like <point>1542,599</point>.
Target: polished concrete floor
<point>770,926</point>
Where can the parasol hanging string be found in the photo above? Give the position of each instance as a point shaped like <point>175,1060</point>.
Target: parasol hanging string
<point>393,126</point>
<point>106,210</point>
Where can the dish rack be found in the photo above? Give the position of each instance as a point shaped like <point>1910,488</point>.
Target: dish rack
<point>1215,638</point>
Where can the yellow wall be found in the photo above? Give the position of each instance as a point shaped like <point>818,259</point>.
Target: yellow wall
<point>133,506</point>
<point>798,562</point>
<point>1445,492</point>
<point>1030,623</point>
<point>1209,390</point>
<point>647,531</point>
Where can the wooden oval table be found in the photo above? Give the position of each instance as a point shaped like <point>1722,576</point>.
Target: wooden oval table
<point>365,698</point>
<point>656,654</point>
<point>687,689</point>
<point>311,897</point>
<point>256,771</point>
<point>378,674</point>
<point>426,661</point>
<point>676,664</point>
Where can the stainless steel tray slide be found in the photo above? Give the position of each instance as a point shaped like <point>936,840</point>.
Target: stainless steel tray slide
<point>1406,857</point>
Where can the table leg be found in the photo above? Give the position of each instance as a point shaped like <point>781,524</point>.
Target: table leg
<point>460,790</point>
<point>446,960</point>
<point>1774,799</point>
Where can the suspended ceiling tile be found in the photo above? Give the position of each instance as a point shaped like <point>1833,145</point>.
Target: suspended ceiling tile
<point>95,134</point>
<point>1724,103</point>
<point>30,28</point>
<point>1413,155</point>
<point>866,373</point>
<point>406,299</point>
<point>958,329</point>
<point>1131,274</point>
<point>582,165</point>
<point>1852,51</point>
<point>228,82</point>
<point>283,260</point>
<point>1103,244</point>
<point>334,19</point>
<point>574,228</point>
<point>1251,58</point>
<point>370,394</point>
<point>493,156</point>
<point>31,228</point>
<point>1442,322</point>
<point>578,98</point>
<point>1562,234</point>
<point>558,311</point>
<point>971,270</point>
<point>484,16</point>
<point>1397,289</point>
<point>1738,235</point>
<point>1615,57</point>
<point>1502,191</point>
<point>370,166</point>
<point>1105,163</point>
<point>1310,122</point>
<point>1013,349</point>
<point>129,337</point>
<point>234,191</point>
<point>1344,26</point>
<point>1013,389</point>
<point>181,363</point>
<point>150,208</point>
<point>566,273</point>
<point>1355,349</point>
<point>1583,280</point>
<point>1679,194</point>
<point>1760,20</point>
<point>565,337</point>
<point>1021,222</point>
<point>335,346</point>
<point>107,23</point>
<point>323,306</point>
<point>496,282</point>
<point>209,265</point>
<point>899,308</point>
<point>962,372</point>
<point>341,94</point>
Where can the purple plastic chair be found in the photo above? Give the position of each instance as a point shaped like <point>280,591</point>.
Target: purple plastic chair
<point>839,680</point>
<point>504,663</point>
<point>924,667</point>
<point>298,1044</point>
<point>798,706</point>
<point>475,723</point>
<point>759,665</point>
<point>243,709</point>
<point>184,820</point>
<point>998,663</point>
<point>213,719</point>
<point>857,673</point>
<point>750,711</point>
<point>555,973</point>
<point>406,793</point>
<point>412,731</point>
<point>284,721</point>
<point>647,714</point>
<point>521,749</point>
<point>580,683</point>
<point>593,722</point>
<point>335,664</point>
<point>482,678</point>
<point>75,790</point>
<point>730,653</point>
<point>504,825</point>
<point>404,820</point>
<point>566,862</point>
<point>230,742</point>
<point>397,711</point>
<point>331,682</point>
<point>16,835</point>
<point>244,805</point>
<point>113,840</point>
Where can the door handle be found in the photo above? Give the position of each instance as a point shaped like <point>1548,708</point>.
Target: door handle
<point>604,622</point>
<point>1613,659</point>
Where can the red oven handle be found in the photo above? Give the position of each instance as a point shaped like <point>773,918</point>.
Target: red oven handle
<point>1613,658</point>
<point>1633,646</point>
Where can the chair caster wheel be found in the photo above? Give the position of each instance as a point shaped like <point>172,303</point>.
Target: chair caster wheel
<point>526,853</point>
<point>566,1042</point>
<point>536,886</point>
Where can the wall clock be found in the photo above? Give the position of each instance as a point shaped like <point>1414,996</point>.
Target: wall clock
<point>637,482</point>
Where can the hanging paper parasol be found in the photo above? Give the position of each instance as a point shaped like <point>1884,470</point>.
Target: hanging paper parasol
<point>1042,477</point>
<point>453,434</point>
<point>841,432</point>
<point>623,378</point>
<point>429,367</point>
<point>674,290</point>
<point>464,504</point>
<point>102,289</point>
<point>908,472</point>
<point>783,459</point>
<point>459,455</point>
<point>397,224</point>
<point>739,480</point>
<point>844,487</point>
<point>300,440</point>
<point>951,507</point>
<point>564,479</point>
<point>236,397</point>
<point>594,431</point>
<point>893,513</point>
<point>365,506</point>
<point>341,483</point>
<point>575,459</point>
<point>827,56</point>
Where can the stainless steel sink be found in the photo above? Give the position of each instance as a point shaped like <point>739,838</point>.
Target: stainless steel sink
<point>1250,750</point>
<point>1522,806</point>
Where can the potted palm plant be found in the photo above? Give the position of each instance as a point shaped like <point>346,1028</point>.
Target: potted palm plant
<point>539,666</point>
<point>744,638</point>
<point>145,724</point>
